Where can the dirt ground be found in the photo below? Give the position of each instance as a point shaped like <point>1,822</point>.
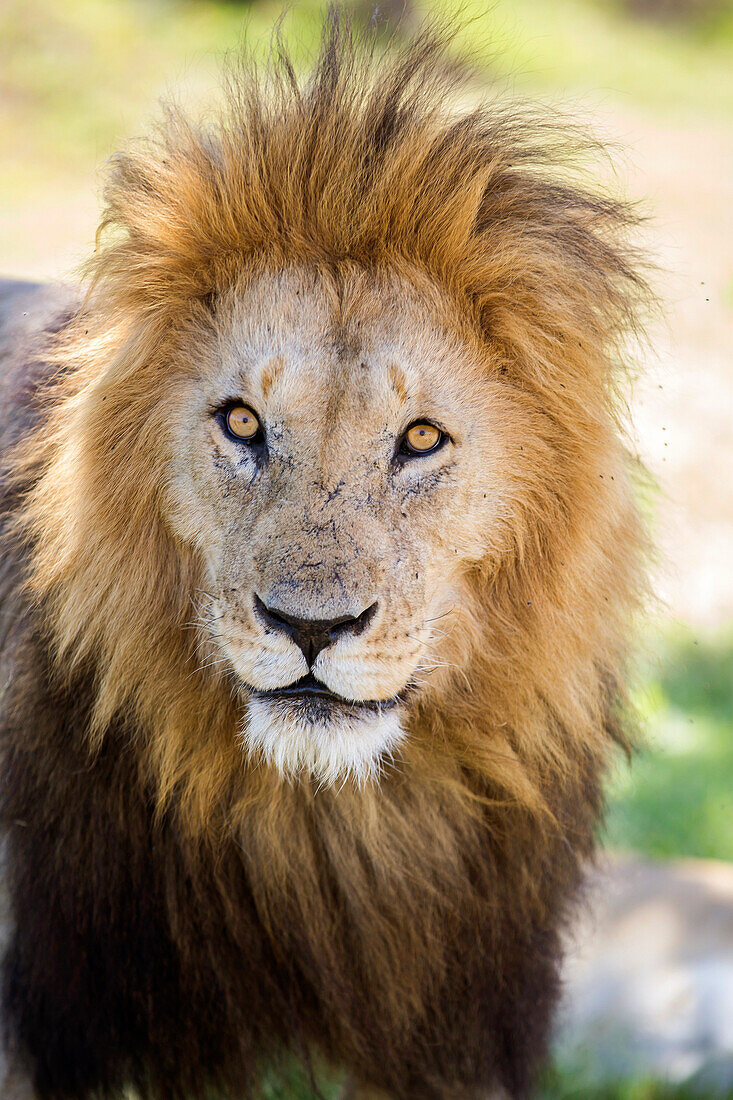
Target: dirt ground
<point>683,404</point>
<point>649,980</point>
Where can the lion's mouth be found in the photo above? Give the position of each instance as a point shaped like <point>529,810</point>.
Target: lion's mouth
<point>312,698</point>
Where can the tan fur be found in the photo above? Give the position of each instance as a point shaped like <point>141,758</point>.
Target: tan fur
<point>355,217</point>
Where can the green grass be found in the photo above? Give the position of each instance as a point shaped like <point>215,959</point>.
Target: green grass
<point>565,1085</point>
<point>88,72</point>
<point>596,48</point>
<point>676,798</point>
<point>78,79</point>
<point>556,1085</point>
<point>292,1083</point>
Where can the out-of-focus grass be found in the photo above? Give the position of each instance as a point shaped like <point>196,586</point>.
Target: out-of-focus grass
<point>566,1085</point>
<point>596,46</point>
<point>78,79</point>
<point>556,1084</point>
<point>293,1082</point>
<point>676,797</point>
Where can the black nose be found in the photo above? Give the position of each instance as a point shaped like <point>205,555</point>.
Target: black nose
<point>313,635</point>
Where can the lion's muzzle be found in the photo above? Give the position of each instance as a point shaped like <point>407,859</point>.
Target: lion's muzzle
<point>313,635</point>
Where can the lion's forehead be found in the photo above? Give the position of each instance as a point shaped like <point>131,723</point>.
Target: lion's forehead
<point>358,357</point>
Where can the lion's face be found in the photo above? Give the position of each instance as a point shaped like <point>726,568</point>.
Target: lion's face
<point>334,549</point>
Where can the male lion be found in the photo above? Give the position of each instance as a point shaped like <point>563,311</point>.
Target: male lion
<point>320,559</point>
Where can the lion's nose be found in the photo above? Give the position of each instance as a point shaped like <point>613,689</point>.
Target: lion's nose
<point>313,635</point>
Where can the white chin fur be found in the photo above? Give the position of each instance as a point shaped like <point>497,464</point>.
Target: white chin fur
<point>350,747</point>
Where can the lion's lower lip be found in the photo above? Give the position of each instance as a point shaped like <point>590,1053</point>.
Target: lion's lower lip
<point>309,688</point>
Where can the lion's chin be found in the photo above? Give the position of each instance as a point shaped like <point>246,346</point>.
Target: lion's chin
<point>313,737</point>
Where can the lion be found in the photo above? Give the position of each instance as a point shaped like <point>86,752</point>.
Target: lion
<point>321,561</point>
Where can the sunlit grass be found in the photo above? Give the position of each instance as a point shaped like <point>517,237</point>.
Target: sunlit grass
<point>78,79</point>
<point>595,47</point>
<point>566,1085</point>
<point>676,798</point>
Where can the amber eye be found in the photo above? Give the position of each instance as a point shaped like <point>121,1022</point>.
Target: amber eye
<point>242,423</point>
<point>422,438</point>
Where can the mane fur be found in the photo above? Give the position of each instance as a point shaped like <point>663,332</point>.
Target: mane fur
<point>494,798</point>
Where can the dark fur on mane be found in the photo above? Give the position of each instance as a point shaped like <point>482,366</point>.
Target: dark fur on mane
<point>181,919</point>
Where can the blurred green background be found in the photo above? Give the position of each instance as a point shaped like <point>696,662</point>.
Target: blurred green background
<point>655,77</point>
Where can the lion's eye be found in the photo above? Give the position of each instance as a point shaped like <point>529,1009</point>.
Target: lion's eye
<point>242,423</point>
<point>422,438</point>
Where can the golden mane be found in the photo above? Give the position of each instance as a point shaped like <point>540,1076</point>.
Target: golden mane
<point>360,163</point>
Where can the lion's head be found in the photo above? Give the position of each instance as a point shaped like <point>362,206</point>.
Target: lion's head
<point>338,460</point>
<point>333,474</point>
